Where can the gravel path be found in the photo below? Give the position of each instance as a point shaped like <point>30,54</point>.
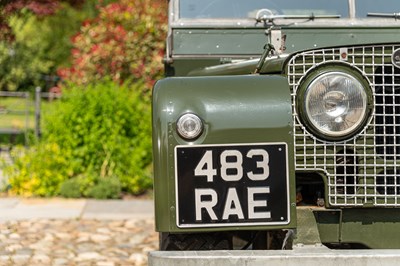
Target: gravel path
<point>77,242</point>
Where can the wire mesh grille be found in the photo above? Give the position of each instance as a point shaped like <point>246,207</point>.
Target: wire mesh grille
<point>364,170</point>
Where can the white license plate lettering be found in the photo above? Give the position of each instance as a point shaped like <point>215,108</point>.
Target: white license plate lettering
<point>207,199</point>
<point>231,185</point>
<point>232,165</point>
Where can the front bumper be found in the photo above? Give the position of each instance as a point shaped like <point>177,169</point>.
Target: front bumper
<point>307,255</point>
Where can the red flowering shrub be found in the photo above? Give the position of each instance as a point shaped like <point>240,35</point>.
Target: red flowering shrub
<point>124,42</point>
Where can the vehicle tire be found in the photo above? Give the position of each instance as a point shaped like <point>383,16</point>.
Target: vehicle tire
<point>200,241</point>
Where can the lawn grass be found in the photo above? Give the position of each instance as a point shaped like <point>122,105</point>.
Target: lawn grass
<point>16,113</point>
<point>17,119</point>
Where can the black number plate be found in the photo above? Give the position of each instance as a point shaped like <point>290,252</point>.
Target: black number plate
<point>232,185</point>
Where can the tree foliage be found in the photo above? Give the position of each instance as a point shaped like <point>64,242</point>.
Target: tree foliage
<point>35,39</point>
<point>38,7</point>
<point>37,48</point>
<point>125,42</point>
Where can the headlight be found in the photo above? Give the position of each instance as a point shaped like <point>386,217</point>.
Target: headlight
<point>335,105</point>
<point>189,126</point>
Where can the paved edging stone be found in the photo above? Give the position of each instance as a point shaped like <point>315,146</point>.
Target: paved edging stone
<point>12,209</point>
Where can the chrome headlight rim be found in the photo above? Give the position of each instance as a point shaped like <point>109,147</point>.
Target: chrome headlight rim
<point>305,86</point>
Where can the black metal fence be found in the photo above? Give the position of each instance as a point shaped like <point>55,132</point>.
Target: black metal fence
<point>20,115</point>
<point>15,116</point>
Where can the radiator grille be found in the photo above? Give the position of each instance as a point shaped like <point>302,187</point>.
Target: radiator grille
<point>365,170</point>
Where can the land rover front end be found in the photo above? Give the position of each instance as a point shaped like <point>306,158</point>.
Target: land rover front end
<point>278,124</point>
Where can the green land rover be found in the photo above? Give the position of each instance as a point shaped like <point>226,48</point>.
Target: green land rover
<point>278,124</point>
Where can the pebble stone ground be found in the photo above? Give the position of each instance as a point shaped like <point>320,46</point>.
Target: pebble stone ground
<point>77,242</point>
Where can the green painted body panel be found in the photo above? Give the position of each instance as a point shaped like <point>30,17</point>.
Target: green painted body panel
<point>181,67</point>
<point>375,228</point>
<point>236,109</point>
<point>239,68</point>
<point>219,41</point>
<point>371,228</point>
<point>300,39</point>
<point>209,51</point>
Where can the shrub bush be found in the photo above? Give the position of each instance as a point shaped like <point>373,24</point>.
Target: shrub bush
<point>105,188</point>
<point>71,188</point>
<point>39,170</point>
<point>125,41</point>
<point>95,133</point>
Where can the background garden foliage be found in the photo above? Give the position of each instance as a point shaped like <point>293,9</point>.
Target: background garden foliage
<point>93,138</point>
<point>35,39</point>
<point>96,139</point>
<point>125,41</point>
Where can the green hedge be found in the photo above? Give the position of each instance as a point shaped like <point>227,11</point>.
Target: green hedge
<point>96,138</point>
